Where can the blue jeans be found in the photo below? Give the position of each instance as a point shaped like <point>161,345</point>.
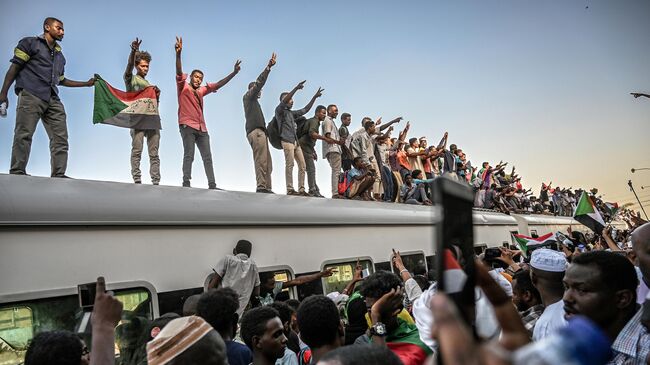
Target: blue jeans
<point>389,186</point>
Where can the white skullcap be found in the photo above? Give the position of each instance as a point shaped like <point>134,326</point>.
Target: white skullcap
<point>548,260</point>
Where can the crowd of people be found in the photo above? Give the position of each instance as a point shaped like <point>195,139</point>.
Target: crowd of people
<point>366,162</point>
<point>575,300</point>
<point>581,299</point>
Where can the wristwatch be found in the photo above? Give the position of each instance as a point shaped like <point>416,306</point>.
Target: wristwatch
<point>378,329</point>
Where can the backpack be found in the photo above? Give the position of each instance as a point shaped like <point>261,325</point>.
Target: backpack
<point>344,183</point>
<point>301,126</point>
<point>273,131</point>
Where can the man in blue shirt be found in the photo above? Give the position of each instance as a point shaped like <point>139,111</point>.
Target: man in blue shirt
<point>38,68</point>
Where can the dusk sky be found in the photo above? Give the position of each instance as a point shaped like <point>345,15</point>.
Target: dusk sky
<point>542,84</point>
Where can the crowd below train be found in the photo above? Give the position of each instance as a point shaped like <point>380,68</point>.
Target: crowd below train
<point>579,299</point>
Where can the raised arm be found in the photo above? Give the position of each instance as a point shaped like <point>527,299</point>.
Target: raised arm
<point>307,278</point>
<point>135,47</point>
<point>443,142</point>
<point>227,79</point>
<point>636,95</point>
<point>307,107</point>
<point>384,126</point>
<point>107,313</point>
<point>291,93</point>
<point>261,79</point>
<point>10,77</point>
<point>402,134</point>
<point>179,48</point>
<point>357,277</point>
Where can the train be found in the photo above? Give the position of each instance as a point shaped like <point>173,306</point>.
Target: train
<point>157,245</point>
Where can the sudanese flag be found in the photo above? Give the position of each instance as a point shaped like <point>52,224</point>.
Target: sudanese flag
<point>136,110</point>
<point>405,342</point>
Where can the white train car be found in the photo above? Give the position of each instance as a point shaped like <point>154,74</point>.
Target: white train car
<point>157,244</point>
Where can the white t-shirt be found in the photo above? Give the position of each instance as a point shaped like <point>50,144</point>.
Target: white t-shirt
<point>551,319</point>
<point>239,273</point>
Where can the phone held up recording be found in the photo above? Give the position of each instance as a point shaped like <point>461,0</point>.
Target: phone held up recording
<point>454,237</point>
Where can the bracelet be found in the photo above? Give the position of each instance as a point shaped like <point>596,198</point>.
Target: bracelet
<point>403,270</point>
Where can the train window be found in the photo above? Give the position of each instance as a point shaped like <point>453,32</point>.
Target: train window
<point>19,322</point>
<point>343,275</point>
<point>16,327</point>
<point>414,262</point>
<point>283,274</point>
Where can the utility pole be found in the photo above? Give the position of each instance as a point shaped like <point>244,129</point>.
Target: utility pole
<point>629,183</point>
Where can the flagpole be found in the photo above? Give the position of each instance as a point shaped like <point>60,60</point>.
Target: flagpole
<point>629,183</point>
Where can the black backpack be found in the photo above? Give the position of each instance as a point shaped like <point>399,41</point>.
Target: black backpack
<point>273,131</point>
<point>300,126</point>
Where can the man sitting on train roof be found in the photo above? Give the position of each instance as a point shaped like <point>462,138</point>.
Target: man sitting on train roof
<point>270,288</point>
<point>239,272</point>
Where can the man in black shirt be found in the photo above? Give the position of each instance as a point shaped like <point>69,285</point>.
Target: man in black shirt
<point>307,136</point>
<point>256,130</point>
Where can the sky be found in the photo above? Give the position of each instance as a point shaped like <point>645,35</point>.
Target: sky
<point>543,85</point>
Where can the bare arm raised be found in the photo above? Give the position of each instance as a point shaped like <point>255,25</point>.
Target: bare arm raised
<point>179,48</point>
<point>135,47</point>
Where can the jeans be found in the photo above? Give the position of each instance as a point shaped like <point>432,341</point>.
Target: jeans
<point>292,151</point>
<point>192,137</point>
<point>28,112</point>
<point>389,186</point>
<point>153,143</point>
<point>261,158</point>
<point>334,160</point>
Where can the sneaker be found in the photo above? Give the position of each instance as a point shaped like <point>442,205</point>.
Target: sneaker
<point>137,182</point>
<point>186,184</point>
<point>316,194</point>
<point>303,193</point>
<point>156,183</point>
<point>265,191</point>
<point>337,196</point>
<point>292,192</point>
<point>62,176</point>
<point>214,187</point>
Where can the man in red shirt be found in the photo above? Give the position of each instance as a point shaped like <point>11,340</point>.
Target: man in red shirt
<point>190,116</point>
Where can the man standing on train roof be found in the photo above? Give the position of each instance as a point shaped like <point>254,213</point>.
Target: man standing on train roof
<point>269,287</point>
<point>38,67</point>
<point>332,149</point>
<point>140,60</point>
<point>191,119</point>
<point>256,130</point>
<point>286,119</point>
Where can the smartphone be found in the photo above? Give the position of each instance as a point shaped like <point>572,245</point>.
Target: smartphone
<point>492,253</point>
<point>454,237</point>
<point>86,293</point>
<point>365,273</point>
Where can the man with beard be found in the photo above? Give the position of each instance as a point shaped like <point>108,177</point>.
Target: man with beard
<point>527,299</point>
<point>38,68</point>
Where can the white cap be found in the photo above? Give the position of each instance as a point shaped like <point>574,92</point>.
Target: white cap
<point>548,260</point>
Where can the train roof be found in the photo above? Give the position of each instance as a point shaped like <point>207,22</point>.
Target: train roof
<point>42,201</point>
